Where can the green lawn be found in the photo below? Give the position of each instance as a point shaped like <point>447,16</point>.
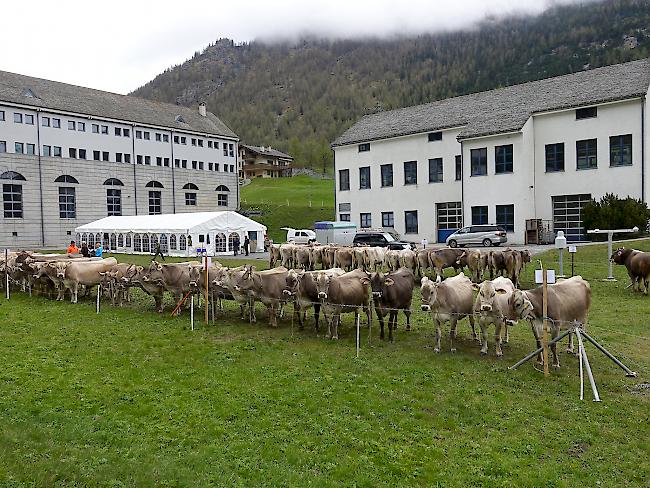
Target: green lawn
<point>285,202</point>
<point>133,398</point>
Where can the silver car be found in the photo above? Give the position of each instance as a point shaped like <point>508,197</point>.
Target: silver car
<point>485,235</point>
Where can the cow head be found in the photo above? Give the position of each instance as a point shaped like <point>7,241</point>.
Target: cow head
<point>429,292</point>
<point>154,274</point>
<point>525,256</point>
<point>60,267</point>
<point>195,275</point>
<point>487,294</point>
<point>620,255</point>
<point>378,283</point>
<point>521,305</point>
<point>293,282</point>
<point>322,285</point>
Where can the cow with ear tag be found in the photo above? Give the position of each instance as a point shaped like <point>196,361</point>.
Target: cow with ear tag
<point>391,293</point>
<point>491,307</point>
<point>448,301</point>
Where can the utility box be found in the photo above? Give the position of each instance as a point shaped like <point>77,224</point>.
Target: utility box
<point>341,233</point>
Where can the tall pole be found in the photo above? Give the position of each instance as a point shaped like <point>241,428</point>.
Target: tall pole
<point>545,323</point>
<point>610,236</point>
<point>206,290</point>
<point>6,273</point>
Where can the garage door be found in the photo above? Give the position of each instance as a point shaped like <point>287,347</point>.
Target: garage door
<point>567,215</point>
<point>449,217</point>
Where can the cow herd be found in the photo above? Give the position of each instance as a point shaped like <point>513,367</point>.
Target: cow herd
<point>351,280</point>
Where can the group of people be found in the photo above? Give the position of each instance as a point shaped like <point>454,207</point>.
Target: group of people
<point>236,245</point>
<point>85,251</point>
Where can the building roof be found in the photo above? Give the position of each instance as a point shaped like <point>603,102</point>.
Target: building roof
<point>53,95</point>
<point>226,221</point>
<point>505,109</point>
<point>266,151</point>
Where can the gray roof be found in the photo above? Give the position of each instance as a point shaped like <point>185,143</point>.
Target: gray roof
<point>505,109</point>
<point>53,95</point>
<point>266,151</point>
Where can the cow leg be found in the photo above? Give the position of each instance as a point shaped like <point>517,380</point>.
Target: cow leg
<point>506,333</point>
<point>452,332</point>
<point>273,319</point>
<point>556,358</point>
<point>316,314</point>
<point>472,324</point>
<point>537,330</point>
<point>408,320</point>
<point>74,293</point>
<point>436,324</point>
<point>570,349</point>
<point>335,325</point>
<point>497,337</point>
<point>297,314</point>
<point>484,335</point>
<point>392,322</point>
<point>380,318</point>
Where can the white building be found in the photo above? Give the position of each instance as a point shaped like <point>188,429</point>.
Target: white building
<point>71,155</point>
<point>535,151</point>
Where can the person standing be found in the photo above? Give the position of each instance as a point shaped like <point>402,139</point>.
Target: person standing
<point>85,252</point>
<point>158,252</point>
<point>424,242</point>
<point>99,250</point>
<point>72,248</point>
<point>247,243</point>
<point>235,244</point>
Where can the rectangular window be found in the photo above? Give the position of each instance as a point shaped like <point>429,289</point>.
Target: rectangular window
<point>479,215</point>
<point>118,131</point>
<point>19,148</point>
<point>56,123</point>
<point>95,128</point>
<point>158,161</point>
<point>365,220</point>
<point>435,170</point>
<point>67,205</point>
<point>183,140</point>
<point>29,119</point>
<point>554,157</point>
<point>200,142</point>
<point>45,121</point>
<point>344,179</point>
<point>210,166</point>
<point>364,147</point>
<point>225,149</point>
<point>127,158</point>
<point>411,173</point>
<point>82,154</point>
<point>72,125</point>
<point>620,150</point>
<point>158,137</point>
<point>72,153</point>
<point>222,200</point>
<point>387,219</point>
<point>18,118</point>
<point>459,167</point>
<point>587,154</point>
<point>57,151</point>
<point>31,149</point>
<point>104,129</point>
<point>184,163</point>
<point>216,144</point>
<point>96,155</point>
<point>503,159</point>
<point>126,132</point>
<point>3,146</point>
<point>201,165</point>
<point>586,113</point>
<point>209,144</point>
<point>147,160</point>
<point>479,161</point>
<point>165,137</point>
<point>386,175</point>
<point>166,162</point>
<point>506,217</point>
<point>194,165</point>
<point>12,200</point>
<point>216,168</point>
<point>344,217</point>
<point>364,178</point>
<point>81,126</point>
<point>435,136</point>
<point>147,136</point>
<point>113,202</point>
<point>193,141</point>
<point>190,199</point>
<point>411,222</point>
<point>118,157</point>
<point>138,134</point>
<point>176,140</point>
<point>155,204</point>
<point>231,150</point>
<point>47,150</point>
<point>2,115</point>
<point>105,156</point>
<point>177,163</point>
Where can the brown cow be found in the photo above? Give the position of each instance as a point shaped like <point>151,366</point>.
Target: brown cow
<point>442,259</point>
<point>477,264</point>
<point>343,258</point>
<point>87,273</point>
<point>340,294</point>
<point>392,292</point>
<point>515,261</point>
<point>267,287</point>
<point>491,307</point>
<point>497,263</point>
<point>637,264</point>
<point>301,286</point>
<point>154,289</point>
<point>448,301</point>
<point>568,302</point>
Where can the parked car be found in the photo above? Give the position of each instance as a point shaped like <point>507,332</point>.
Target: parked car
<point>300,236</point>
<point>381,238</point>
<point>485,235</point>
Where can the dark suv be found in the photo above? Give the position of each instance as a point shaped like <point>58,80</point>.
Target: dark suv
<point>381,238</point>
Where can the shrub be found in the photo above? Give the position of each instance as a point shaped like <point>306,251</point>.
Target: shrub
<point>612,212</point>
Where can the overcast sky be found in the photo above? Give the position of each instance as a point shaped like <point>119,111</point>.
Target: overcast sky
<point>120,45</point>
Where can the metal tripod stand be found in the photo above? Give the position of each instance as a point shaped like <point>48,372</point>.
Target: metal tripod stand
<point>577,329</point>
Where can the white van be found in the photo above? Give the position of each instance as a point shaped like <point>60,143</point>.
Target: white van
<point>300,236</point>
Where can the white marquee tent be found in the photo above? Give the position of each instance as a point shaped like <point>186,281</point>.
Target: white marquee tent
<point>183,234</point>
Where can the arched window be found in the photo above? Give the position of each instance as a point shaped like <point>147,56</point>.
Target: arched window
<point>120,240</point>
<point>113,182</point>
<point>83,238</point>
<point>12,175</point>
<point>66,179</point>
<point>220,242</point>
<point>222,188</point>
<point>106,244</point>
<point>154,242</point>
<point>231,241</point>
<point>154,184</point>
<point>113,242</point>
<point>98,238</point>
<point>190,186</point>
<point>78,238</point>
<point>145,243</point>
<point>91,240</point>
<point>172,242</point>
<point>182,242</point>
<point>128,240</point>
<point>137,243</point>
<point>163,243</point>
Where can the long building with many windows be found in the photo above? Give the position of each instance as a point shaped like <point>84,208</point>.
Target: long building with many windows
<point>527,157</point>
<point>71,155</point>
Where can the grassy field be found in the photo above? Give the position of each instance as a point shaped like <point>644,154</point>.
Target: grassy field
<point>133,398</point>
<point>284,202</point>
